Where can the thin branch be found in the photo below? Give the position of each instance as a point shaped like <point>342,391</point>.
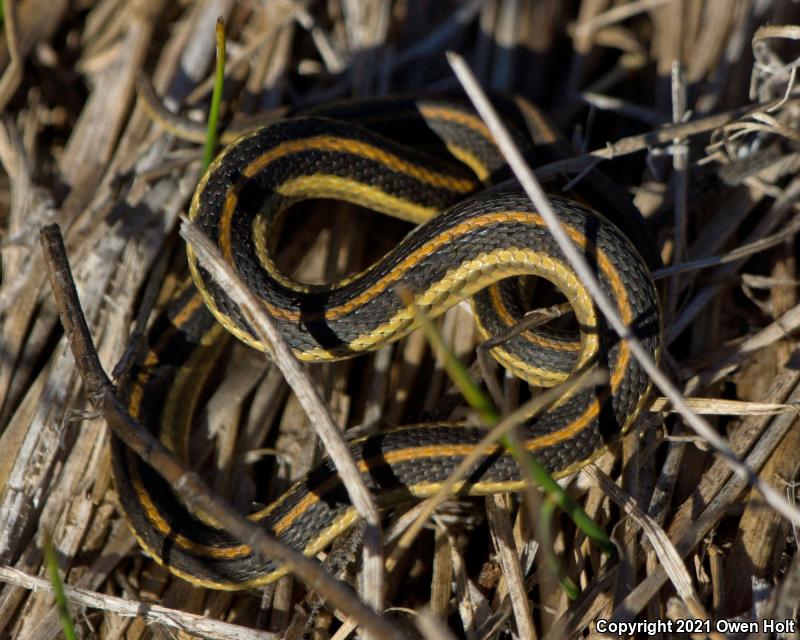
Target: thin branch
<point>657,137</point>
<point>172,618</point>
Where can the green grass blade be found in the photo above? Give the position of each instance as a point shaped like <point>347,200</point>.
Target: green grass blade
<point>216,97</point>
<point>67,626</point>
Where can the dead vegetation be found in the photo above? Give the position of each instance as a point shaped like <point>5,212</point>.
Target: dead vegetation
<point>691,106</point>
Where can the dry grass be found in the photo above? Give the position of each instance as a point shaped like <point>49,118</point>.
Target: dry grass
<point>78,148</point>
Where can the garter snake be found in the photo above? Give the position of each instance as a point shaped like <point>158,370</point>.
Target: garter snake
<point>471,242</point>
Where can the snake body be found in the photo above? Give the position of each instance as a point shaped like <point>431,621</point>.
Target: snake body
<point>470,243</point>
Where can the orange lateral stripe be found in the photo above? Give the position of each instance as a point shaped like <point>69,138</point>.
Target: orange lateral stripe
<point>195,302</point>
<point>470,121</point>
<point>225,223</point>
<point>365,150</point>
<point>162,526</point>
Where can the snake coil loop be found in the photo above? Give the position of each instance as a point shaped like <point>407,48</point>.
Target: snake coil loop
<point>469,243</point>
